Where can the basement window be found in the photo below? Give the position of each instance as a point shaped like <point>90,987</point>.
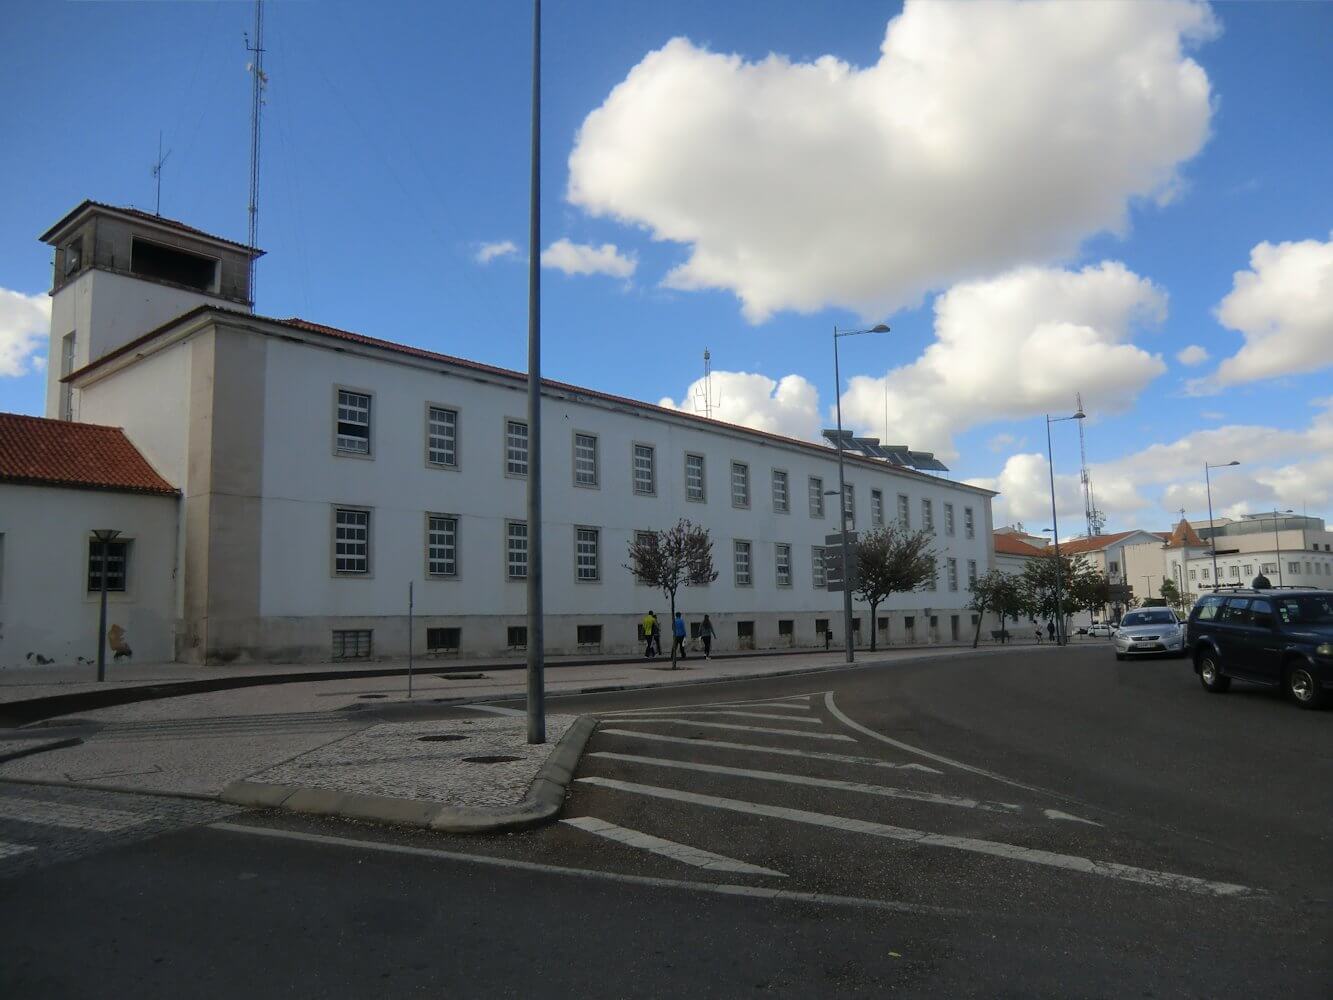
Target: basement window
<point>590,637</point>
<point>351,644</point>
<point>180,267</point>
<point>443,640</point>
<point>745,635</point>
<point>518,637</point>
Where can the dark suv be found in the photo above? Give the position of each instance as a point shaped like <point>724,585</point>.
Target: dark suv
<point>1274,637</point>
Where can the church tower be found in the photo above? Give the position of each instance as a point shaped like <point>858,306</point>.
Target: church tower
<point>121,272</point>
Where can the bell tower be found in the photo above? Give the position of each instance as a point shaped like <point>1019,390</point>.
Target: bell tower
<point>121,272</point>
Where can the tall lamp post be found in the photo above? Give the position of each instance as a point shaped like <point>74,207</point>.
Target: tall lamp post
<point>536,639</point>
<point>1212,528</point>
<point>1055,523</point>
<point>1277,543</point>
<point>842,491</point>
<point>104,536</point>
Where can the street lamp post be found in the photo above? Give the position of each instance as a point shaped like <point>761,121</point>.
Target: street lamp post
<point>842,491</point>
<point>1277,543</point>
<point>1212,528</point>
<point>1055,522</point>
<point>104,536</point>
<point>536,623</point>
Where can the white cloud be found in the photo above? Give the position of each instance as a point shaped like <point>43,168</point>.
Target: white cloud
<point>789,406</point>
<point>1192,355</point>
<point>25,321</point>
<point>1283,306</point>
<point>580,258</point>
<point>487,252</point>
<point>1016,346</point>
<point>985,136</point>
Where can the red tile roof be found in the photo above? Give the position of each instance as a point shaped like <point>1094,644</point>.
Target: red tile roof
<point>148,217</point>
<point>36,451</point>
<point>1008,545</point>
<point>1093,543</point>
<point>1184,537</point>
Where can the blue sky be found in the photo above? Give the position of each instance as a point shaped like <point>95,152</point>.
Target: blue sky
<point>966,183</point>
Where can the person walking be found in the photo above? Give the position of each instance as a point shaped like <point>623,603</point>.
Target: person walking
<point>649,626</point>
<point>1050,631</point>
<point>678,636</point>
<point>1037,629</point>
<point>706,634</point>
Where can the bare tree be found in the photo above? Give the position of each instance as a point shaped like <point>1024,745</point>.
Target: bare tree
<point>670,559</point>
<point>891,560</point>
<point>1001,593</point>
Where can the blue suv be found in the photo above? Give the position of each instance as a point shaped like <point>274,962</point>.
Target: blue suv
<point>1280,638</point>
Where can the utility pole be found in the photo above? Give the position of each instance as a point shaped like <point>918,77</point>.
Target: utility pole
<point>157,174</point>
<point>258,81</point>
<point>536,680</point>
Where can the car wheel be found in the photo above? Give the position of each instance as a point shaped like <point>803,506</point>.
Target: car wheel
<point>1303,687</point>
<point>1210,673</point>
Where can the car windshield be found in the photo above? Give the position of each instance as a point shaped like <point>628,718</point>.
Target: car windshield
<point>1307,609</point>
<point>1147,618</point>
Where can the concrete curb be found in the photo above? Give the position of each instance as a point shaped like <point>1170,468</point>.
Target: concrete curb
<point>542,803</point>
<point>72,741</point>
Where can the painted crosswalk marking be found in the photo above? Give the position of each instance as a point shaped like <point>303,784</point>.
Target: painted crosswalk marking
<point>8,850</point>
<point>883,791</point>
<point>786,705</point>
<point>677,852</point>
<point>997,849</point>
<point>640,720</point>
<point>836,758</point>
<point>804,720</point>
<point>47,813</point>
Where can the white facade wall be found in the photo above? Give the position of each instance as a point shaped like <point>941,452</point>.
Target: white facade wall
<point>303,480</point>
<point>46,610</point>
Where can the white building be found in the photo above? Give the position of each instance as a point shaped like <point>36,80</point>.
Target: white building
<point>1292,550</point>
<point>320,471</point>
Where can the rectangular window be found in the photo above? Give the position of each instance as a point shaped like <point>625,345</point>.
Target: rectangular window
<point>516,448</point>
<point>1235,572</point>
<point>904,512</point>
<point>351,542</point>
<point>351,643</point>
<point>443,640</point>
<point>1194,574</point>
<point>782,559</point>
<point>441,545</point>
<point>742,564</point>
<point>877,508</point>
<point>585,554</point>
<point>1265,568</point>
<point>516,549</point>
<point>353,423</point>
<point>589,636</point>
<point>1292,567</point>
<point>517,637</point>
<point>442,437</point>
<point>1113,567</point>
<point>66,366</point>
<point>952,573</point>
<point>694,478</point>
<point>1249,570</point>
<point>816,497</point>
<point>786,627</point>
<point>948,519</point>
<point>645,469</point>
<point>1307,569</point>
<point>740,484</point>
<point>781,494</point>
<point>927,514</point>
<point>971,574</point>
<point>821,626</point>
<point>969,529</point>
<point>933,583</point>
<point>745,635</point>
<point>585,460</point>
<point>117,566</point>
<point>817,561</point>
<point>849,505</point>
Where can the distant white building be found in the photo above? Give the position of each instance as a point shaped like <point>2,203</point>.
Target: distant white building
<point>320,471</point>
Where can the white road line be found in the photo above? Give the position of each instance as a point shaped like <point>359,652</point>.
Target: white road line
<point>667,848</point>
<point>639,720</point>
<point>804,720</point>
<point>1008,852</point>
<point>1057,814</point>
<point>495,709</point>
<point>755,891</point>
<point>785,704</point>
<point>8,850</point>
<point>47,813</point>
<point>884,791</point>
<point>783,751</point>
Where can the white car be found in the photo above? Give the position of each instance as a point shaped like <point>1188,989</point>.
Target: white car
<point>1101,630</point>
<point>1149,631</point>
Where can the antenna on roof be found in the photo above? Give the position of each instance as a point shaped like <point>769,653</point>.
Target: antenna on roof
<point>1095,518</point>
<point>157,173</point>
<point>703,395</point>
<point>258,81</point>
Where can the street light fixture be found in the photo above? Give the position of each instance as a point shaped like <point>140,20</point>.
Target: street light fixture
<point>104,536</point>
<point>1212,528</point>
<point>1277,542</point>
<point>1055,523</point>
<point>842,490</point>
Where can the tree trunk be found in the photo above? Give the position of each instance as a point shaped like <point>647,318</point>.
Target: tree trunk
<point>673,630</point>
<point>873,629</point>
<point>981,613</point>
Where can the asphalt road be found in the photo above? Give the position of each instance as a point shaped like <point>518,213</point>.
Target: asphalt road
<point>1042,823</point>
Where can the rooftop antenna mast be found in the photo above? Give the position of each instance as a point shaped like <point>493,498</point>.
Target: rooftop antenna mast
<point>1095,518</point>
<point>157,173</point>
<point>258,81</point>
<point>703,396</point>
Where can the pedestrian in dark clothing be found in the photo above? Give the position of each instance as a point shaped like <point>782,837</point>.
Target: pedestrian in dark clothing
<point>657,637</point>
<point>678,636</point>
<point>706,634</point>
<point>1050,631</point>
